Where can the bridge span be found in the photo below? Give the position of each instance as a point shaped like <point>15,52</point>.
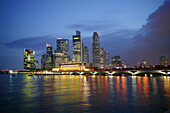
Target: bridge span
<point>142,72</point>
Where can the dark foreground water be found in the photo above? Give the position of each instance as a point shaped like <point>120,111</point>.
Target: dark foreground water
<point>118,94</point>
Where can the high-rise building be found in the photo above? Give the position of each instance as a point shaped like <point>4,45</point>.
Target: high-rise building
<point>29,60</point>
<point>144,63</point>
<point>78,33</point>
<point>96,50</point>
<point>163,60</point>
<point>86,54</point>
<point>77,47</point>
<point>101,58</point>
<point>44,58</point>
<point>58,59</point>
<point>116,62</point>
<point>82,52</point>
<point>50,56</point>
<point>47,59</point>
<point>63,46</point>
<point>36,64</point>
<point>106,59</point>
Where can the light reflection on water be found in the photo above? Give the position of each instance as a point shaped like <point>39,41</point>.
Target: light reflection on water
<point>72,93</point>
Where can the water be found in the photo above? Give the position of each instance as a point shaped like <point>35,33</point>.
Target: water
<point>65,94</point>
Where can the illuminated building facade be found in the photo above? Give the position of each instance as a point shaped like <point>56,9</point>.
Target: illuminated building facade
<point>163,60</point>
<point>47,59</point>
<point>101,58</point>
<point>82,51</point>
<point>44,58</point>
<point>77,48</point>
<point>72,66</point>
<point>116,62</point>
<point>86,54</point>
<point>96,50</point>
<point>50,56</point>
<point>58,59</point>
<point>29,60</point>
<point>63,46</point>
<point>36,64</point>
<point>144,63</point>
<point>106,59</point>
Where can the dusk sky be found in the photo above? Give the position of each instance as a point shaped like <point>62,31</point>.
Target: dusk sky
<point>133,29</point>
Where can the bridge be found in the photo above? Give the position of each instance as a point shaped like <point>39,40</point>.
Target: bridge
<point>125,72</point>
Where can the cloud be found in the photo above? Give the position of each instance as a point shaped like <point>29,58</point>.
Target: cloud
<point>37,42</point>
<point>152,40</point>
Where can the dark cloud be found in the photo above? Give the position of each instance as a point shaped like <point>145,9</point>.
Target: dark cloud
<point>152,39</point>
<point>117,41</point>
<point>32,42</point>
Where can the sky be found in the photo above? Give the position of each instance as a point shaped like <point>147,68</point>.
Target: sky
<point>133,29</point>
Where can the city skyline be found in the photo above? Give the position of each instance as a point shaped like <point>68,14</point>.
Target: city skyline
<point>60,58</point>
<point>147,42</point>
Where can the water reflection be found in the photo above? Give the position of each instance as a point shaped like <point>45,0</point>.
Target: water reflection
<point>72,93</point>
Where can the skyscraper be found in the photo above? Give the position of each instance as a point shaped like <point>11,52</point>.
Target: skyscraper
<point>44,58</point>
<point>47,59</point>
<point>116,61</point>
<point>77,47</point>
<point>82,52</point>
<point>86,54</point>
<point>36,64</point>
<point>49,56</point>
<point>101,58</point>
<point>63,46</point>
<point>96,50</point>
<point>163,60</point>
<point>58,59</point>
<point>106,59</point>
<point>144,63</point>
<point>29,60</point>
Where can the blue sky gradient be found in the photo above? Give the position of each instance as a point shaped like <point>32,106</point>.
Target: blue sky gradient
<point>32,23</point>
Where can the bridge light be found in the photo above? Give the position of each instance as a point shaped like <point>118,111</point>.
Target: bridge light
<point>133,74</point>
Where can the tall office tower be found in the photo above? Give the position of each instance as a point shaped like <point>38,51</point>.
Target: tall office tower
<point>101,58</point>
<point>58,59</point>
<point>116,61</point>
<point>63,46</point>
<point>44,58</point>
<point>106,59</point>
<point>36,64</point>
<point>82,52</point>
<point>96,50</point>
<point>144,63</point>
<point>77,47</point>
<point>29,60</point>
<point>50,56</point>
<point>78,33</point>
<point>86,54</point>
<point>163,60</point>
